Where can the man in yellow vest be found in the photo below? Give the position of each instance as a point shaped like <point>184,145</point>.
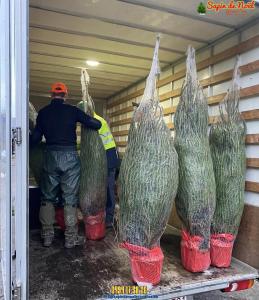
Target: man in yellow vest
<point>112,163</point>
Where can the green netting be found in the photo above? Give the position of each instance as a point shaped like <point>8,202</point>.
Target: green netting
<point>37,152</point>
<point>195,200</point>
<point>36,161</point>
<point>227,142</point>
<point>93,181</point>
<point>32,117</point>
<point>148,177</point>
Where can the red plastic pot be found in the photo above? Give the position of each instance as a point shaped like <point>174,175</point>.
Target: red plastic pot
<point>221,246</point>
<point>95,226</point>
<point>193,258</point>
<point>146,264</point>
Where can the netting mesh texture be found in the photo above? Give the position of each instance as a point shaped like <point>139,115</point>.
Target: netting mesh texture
<point>148,177</point>
<point>93,181</point>
<point>32,116</point>
<point>37,152</point>
<point>195,200</point>
<point>227,142</point>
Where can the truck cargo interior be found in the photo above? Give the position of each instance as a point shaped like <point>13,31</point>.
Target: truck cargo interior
<point>114,41</point>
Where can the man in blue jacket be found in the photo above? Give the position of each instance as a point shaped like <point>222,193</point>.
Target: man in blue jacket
<point>61,167</point>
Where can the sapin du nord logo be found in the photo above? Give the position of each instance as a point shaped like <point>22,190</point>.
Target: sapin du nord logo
<point>231,7</point>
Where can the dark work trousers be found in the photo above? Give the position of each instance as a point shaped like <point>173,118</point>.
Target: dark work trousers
<point>110,204</point>
<point>61,171</point>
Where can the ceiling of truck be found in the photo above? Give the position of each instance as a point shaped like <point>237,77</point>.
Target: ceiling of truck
<point>120,35</point>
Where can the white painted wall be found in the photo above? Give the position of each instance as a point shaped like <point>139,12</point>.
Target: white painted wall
<point>228,64</point>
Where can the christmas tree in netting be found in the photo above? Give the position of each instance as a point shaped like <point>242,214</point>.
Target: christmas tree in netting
<point>195,200</point>
<point>93,183</point>
<point>227,142</point>
<point>37,152</point>
<point>32,117</point>
<point>148,183</point>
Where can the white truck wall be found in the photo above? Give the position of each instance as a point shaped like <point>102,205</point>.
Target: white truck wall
<point>248,103</point>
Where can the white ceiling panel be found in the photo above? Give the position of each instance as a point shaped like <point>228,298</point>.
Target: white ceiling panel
<point>123,13</point>
<point>190,7</point>
<point>43,66</point>
<point>58,59</point>
<point>71,84</point>
<point>84,55</point>
<point>53,77</point>
<point>74,88</point>
<point>107,31</point>
<point>99,45</point>
<point>120,34</point>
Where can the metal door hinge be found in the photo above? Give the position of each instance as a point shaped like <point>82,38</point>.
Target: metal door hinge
<point>17,135</point>
<point>17,293</point>
<point>16,138</point>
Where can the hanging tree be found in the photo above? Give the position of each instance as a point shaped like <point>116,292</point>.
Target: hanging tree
<point>149,173</point>
<point>93,181</point>
<point>37,152</point>
<point>227,142</point>
<point>195,201</point>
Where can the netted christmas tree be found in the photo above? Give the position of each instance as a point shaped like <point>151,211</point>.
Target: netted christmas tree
<point>93,183</point>
<point>148,183</point>
<point>32,117</point>
<point>195,201</point>
<point>227,142</point>
<point>36,153</point>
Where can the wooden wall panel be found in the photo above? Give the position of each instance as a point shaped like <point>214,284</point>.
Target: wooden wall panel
<point>252,139</point>
<point>174,219</point>
<point>120,110</point>
<point>247,242</point>
<point>244,93</point>
<point>252,187</point>
<point>252,163</point>
<point>251,91</point>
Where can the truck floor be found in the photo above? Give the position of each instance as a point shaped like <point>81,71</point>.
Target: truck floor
<point>89,271</point>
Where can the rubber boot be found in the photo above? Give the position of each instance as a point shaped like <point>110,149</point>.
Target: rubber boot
<point>72,238</point>
<point>47,219</point>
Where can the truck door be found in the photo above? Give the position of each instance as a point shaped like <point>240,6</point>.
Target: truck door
<point>13,148</point>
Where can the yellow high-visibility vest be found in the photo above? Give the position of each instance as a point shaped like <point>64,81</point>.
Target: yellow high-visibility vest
<point>105,134</point>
